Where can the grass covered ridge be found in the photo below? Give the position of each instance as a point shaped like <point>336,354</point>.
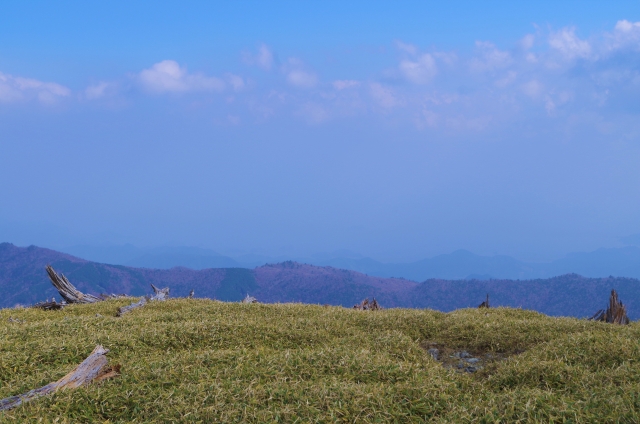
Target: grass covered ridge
<point>203,361</point>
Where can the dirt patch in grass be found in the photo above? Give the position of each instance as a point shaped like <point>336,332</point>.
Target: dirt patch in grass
<point>478,362</point>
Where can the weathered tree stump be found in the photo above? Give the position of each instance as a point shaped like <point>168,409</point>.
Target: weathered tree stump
<point>365,305</point>
<point>485,304</point>
<point>159,294</point>
<point>94,368</point>
<point>67,290</point>
<point>616,313</point>
<point>249,299</point>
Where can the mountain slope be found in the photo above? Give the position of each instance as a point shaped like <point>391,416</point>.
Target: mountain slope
<point>24,281</point>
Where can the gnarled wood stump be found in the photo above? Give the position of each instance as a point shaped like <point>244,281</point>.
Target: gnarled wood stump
<point>249,299</point>
<point>485,304</point>
<point>616,313</point>
<point>365,305</point>
<point>67,290</point>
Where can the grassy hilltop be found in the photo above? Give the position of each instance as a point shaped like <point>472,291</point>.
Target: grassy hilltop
<point>207,361</point>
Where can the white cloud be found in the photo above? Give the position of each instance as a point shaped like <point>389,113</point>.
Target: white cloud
<point>549,105</point>
<point>384,96</point>
<point>448,58</point>
<point>407,48</point>
<point>420,71</point>
<point>344,84</point>
<point>313,113</point>
<point>489,57</point>
<point>533,89</point>
<point>463,123</point>
<point>625,34</point>
<point>236,82</point>
<point>99,90</point>
<point>569,45</point>
<point>627,27</point>
<point>442,98</point>
<point>527,41</point>
<point>263,58</point>
<point>507,79</point>
<point>302,79</point>
<point>430,118</point>
<point>19,88</point>
<point>169,77</point>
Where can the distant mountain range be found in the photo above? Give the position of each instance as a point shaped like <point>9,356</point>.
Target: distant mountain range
<point>461,264</point>
<point>23,281</point>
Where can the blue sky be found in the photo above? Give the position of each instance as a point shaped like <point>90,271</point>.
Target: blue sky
<point>399,131</point>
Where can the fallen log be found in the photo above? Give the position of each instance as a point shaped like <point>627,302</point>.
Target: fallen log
<point>67,290</point>
<point>50,305</point>
<point>616,313</point>
<point>104,296</point>
<point>159,295</point>
<point>94,368</point>
<point>125,309</point>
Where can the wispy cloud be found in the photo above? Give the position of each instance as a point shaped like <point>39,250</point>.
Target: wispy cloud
<point>489,57</point>
<point>407,48</point>
<point>169,77</point>
<point>302,79</point>
<point>344,84</point>
<point>13,89</point>
<point>625,35</point>
<point>421,70</point>
<point>383,96</point>
<point>263,58</point>
<point>236,82</point>
<point>569,45</point>
<point>100,90</point>
<point>297,75</point>
<point>551,71</point>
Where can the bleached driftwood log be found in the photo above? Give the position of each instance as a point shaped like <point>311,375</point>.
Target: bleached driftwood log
<point>67,290</point>
<point>124,309</point>
<point>616,313</point>
<point>94,368</point>
<point>159,295</point>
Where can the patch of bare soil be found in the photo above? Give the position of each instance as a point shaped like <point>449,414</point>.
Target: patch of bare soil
<point>466,361</point>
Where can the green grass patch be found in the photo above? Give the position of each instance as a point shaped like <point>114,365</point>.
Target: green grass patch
<point>207,361</point>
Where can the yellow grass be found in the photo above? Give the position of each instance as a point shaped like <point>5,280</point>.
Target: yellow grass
<point>207,361</point>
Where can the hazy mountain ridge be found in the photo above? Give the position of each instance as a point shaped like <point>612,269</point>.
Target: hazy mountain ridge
<point>24,281</point>
<point>460,264</point>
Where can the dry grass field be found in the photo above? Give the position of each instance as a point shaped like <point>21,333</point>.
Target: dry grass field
<point>206,361</point>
